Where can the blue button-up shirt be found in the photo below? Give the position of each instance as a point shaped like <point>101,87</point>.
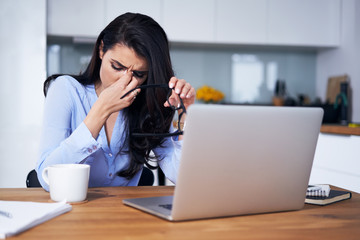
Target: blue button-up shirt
<point>66,139</point>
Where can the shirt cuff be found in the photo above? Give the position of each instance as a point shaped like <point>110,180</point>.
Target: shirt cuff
<point>81,143</point>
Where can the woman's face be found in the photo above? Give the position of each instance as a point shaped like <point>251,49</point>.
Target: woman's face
<point>117,60</point>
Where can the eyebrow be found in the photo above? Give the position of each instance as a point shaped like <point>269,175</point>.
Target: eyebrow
<point>121,65</point>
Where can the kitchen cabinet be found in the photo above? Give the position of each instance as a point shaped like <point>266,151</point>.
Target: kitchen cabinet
<point>314,23</point>
<point>279,22</point>
<point>87,18</point>
<point>304,23</point>
<point>259,22</point>
<point>84,18</point>
<point>336,161</point>
<point>241,21</point>
<point>189,21</point>
<point>114,8</point>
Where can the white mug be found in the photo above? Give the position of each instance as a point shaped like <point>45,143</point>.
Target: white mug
<point>67,182</point>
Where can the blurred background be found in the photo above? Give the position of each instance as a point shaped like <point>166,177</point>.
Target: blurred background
<point>243,48</point>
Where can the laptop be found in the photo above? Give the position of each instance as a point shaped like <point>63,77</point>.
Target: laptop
<point>240,160</point>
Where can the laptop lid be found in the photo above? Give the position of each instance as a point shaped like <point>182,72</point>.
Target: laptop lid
<point>240,160</point>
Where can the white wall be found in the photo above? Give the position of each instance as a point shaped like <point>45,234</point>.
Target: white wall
<point>346,58</point>
<point>22,72</point>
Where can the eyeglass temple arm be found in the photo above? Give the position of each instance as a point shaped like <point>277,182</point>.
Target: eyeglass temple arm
<point>145,86</point>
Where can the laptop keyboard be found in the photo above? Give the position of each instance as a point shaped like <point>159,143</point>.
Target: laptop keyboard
<point>167,206</point>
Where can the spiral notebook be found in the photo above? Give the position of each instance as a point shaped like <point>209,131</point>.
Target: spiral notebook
<point>325,195</point>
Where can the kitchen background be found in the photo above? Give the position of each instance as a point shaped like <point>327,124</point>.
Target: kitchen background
<point>214,66</point>
<point>240,47</point>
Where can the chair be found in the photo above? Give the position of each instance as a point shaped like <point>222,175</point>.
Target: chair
<point>146,178</point>
<point>32,180</point>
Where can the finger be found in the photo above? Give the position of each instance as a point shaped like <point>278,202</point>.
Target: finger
<point>172,82</point>
<point>132,85</point>
<point>173,100</point>
<point>131,94</point>
<point>180,83</point>
<point>185,90</point>
<point>131,97</point>
<point>130,90</point>
<point>126,78</point>
<point>135,92</point>
<point>191,93</point>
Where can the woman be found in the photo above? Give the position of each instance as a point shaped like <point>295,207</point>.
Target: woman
<point>90,118</point>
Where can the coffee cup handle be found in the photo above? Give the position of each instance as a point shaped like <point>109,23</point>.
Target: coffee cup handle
<point>45,175</point>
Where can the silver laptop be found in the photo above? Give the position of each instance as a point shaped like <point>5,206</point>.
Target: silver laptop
<point>239,160</point>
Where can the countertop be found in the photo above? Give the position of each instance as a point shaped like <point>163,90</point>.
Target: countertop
<point>340,129</point>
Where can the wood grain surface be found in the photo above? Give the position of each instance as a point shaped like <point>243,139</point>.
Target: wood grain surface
<point>105,217</point>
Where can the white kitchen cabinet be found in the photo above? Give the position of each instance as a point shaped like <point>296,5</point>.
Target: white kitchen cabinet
<point>189,21</point>
<point>279,22</point>
<point>84,18</point>
<point>114,8</point>
<point>241,21</point>
<point>314,23</point>
<point>304,23</point>
<point>336,161</point>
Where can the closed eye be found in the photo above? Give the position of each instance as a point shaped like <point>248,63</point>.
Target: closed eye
<point>139,74</point>
<point>118,68</point>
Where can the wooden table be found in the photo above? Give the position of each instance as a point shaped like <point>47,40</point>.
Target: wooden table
<point>105,217</point>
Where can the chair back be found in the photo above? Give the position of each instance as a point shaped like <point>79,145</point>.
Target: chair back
<point>32,180</point>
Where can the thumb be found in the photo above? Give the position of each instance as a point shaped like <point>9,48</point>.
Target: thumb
<point>172,100</point>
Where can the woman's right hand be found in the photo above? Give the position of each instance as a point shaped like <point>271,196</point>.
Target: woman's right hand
<point>110,97</point>
<point>110,101</point>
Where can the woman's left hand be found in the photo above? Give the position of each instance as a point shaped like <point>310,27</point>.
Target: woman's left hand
<point>184,90</point>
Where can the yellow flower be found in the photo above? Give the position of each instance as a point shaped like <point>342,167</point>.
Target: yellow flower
<point>209,94</point>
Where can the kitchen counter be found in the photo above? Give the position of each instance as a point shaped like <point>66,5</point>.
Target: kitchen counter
<point>336,159</point>
<point>340,129</point>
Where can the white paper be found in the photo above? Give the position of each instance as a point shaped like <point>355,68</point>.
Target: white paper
<point>18,216</point>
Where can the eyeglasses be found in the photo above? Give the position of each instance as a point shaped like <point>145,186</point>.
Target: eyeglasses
<point>181,106</point>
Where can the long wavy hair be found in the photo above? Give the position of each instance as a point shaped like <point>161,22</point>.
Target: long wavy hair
<point>146,114</point>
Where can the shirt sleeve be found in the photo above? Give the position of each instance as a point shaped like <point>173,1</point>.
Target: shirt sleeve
<point>60,141</point>
<point>169,155</point>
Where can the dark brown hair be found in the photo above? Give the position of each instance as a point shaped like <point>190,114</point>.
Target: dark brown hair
<point>147,114</point>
